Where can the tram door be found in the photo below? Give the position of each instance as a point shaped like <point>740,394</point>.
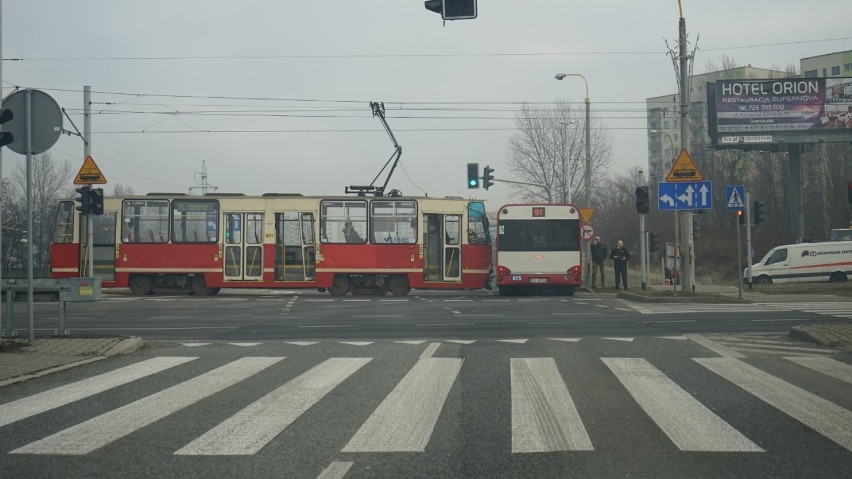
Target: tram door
<point>103,242</point>
<point>243,246</point>
<point>295,251</point>
<point>442,247</point>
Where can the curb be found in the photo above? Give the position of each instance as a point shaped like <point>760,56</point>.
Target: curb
<point>681,299</point>
<point>125,346</point>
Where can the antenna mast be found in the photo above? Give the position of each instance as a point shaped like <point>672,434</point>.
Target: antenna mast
<point>203,186</point>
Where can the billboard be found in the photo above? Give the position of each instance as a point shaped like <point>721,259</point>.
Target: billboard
<point>790,110</point>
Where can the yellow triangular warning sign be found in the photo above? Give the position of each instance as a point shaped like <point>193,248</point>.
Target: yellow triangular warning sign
<point>684,169</point>
<point>586,213</point>
<point>89,174</point>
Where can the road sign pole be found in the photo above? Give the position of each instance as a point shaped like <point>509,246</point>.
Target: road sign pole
<point>642,251</point>
<point>739,260</point>
<point>748,236</point>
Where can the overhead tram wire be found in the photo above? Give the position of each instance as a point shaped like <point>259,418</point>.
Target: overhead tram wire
<point>408,55</point>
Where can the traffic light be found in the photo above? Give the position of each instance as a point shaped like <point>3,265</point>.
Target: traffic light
<point>96,201</point>
<point>6,137</point>
<point>849,191</point>
<point>452,9</point>
<point>696,226</point>
<point>487,177</point>
<point>653,242</point>
<point>642,200</point>
<point>473,175</point>
<point>84,199</point>
<point>741,217</point>
<point>757,212</point>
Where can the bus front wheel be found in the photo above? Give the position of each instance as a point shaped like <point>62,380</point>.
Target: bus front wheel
<point>399,286</point>
<point>199,287</point>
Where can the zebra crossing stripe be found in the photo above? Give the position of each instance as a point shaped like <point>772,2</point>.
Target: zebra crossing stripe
<point>687,422</point>
<point>336,470</point>
<point>108,427</point>
<point>404,421</point>
<point>54,398</point>
<point>825,417</point>
<point>824,365</point>
<point>544,417</point>
<point>252,428</point>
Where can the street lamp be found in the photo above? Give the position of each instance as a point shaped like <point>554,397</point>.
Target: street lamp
<point>588,176</point>
<point>566,180</point>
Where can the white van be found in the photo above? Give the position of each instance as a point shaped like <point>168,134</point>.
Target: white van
<point>804,263</point>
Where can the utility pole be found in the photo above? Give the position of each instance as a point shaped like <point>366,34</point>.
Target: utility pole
<point>687,276</point>
<point>204,186</point>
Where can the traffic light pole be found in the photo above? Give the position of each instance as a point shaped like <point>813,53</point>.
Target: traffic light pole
<point>748,236</point>
<point>643,252</point>
<point>87,152</point>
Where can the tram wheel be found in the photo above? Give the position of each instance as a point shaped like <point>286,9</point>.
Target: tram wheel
<point>141,284</point>
<point>399,286</point>
<point>199,287</point>
<point>339,286</point>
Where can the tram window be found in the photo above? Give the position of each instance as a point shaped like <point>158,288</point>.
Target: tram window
<point>103,229</point>
<point>195,221</point>
<point>63,231</point>
<point>477,224</point>
<point>145,221</point>
<point>393,222</point>
<point>343,221</point>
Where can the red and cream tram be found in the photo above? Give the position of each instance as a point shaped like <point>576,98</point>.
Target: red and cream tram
<point>340,244</point>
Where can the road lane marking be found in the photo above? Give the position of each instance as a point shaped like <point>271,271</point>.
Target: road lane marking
<point>430,350</point>
<point>60,396</point>
<point>404,421</point>
<point>821,364</point>
<point>336,470</point>
<point>111,426</point>
<point>249,430</point>
<point>688,423</point>
<point>544,417</point>
<point>717,348</point>
<point>826,418</point>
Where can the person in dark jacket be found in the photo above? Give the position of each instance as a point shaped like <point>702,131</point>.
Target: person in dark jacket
<point>598,251</point>
<point>619,256</point>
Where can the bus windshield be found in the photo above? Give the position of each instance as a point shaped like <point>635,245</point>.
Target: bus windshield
<point>539,235</point>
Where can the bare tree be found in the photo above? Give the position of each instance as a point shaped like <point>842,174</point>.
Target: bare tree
<point>50,182</point>
<point>549,152</point>
<point>121,190</point>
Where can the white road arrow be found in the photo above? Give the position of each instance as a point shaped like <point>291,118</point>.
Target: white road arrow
<point>687,197</point>
<point>667,199</point>
<point>703,192</point>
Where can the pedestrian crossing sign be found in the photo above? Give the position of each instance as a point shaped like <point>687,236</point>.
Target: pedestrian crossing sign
<point>735,197</point>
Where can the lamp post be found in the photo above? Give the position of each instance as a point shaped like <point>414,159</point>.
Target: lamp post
<point>588,176</point>
<point>566,180</point>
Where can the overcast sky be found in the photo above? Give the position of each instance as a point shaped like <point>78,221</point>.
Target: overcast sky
<point>274,94</point>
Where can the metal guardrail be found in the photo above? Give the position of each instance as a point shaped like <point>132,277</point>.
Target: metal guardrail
<point>68,289</point>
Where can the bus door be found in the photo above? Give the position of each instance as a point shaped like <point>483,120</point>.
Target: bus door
<point>243,246</point>
<point>103,242</point>
<point>442,247</point>
<point>295,251</point>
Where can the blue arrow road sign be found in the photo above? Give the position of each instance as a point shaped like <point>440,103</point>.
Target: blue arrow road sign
<point>694,195</point>
<point>735,197</point>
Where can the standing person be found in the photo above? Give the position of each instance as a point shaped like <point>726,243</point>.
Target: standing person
<point>598,251</point>
<point>619,256</point>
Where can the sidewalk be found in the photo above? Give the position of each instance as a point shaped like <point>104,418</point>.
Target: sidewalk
<point>44,356</point>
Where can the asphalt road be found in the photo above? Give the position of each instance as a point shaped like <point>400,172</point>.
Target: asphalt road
<point>435,385</point>
<point>424,315</point>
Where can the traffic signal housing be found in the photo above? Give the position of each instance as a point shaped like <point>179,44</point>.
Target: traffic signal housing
<point>473,175</point>
<point>757,212</point>
<point>741,217</point>
<point>6,137</point>
<point>84,199</point>
<point>643,205</point>
<point>453,9</point>
<point>849,191</point>
<point>653,242</point>
<point>696,226</point>
<point>487,177</point>
<point>96,201</point>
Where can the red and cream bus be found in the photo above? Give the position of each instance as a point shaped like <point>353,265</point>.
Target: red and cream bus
<point>539,248</point>
<point>339,244</point>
